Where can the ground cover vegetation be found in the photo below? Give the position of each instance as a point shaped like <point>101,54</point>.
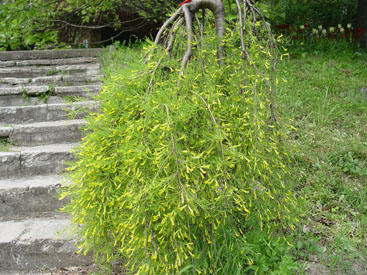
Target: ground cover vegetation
<point>185,170</point>
<point>323,96</point>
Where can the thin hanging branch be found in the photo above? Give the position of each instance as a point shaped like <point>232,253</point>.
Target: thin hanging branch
<point>249,17</point>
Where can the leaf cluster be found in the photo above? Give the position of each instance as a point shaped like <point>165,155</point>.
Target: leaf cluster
<point>40,24</point>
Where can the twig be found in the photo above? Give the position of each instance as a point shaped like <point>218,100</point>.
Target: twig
<point>164,26</point>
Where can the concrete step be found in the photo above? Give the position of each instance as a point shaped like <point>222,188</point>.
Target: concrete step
<point>48,62</point>
<point>48,54</point>
<point>54,80</point>
<point>40,94</point>
<point>45,112</point>
<point>35,244</point>
<point>32,196</point>
<point>35,160</point>
<point>46,132</point>
<point>36,71</point>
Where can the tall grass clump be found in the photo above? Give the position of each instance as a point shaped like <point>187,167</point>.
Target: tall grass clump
<point>184,170</point>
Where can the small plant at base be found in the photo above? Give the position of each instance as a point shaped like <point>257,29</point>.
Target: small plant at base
<point>185,161</point>
<point>25,94</point>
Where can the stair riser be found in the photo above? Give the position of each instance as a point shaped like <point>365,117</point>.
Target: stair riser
<point>39,113</point>
<point>40,254</point>
<point>25,73</point>
<point>49,62</point>
<point>16,100</point>
<point>22,202</point>
<point>48,54</point>
<point>52,81</point>
<point>28,136</point>
<point>15,164</point>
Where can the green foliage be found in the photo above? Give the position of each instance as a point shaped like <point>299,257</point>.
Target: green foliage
<point>38,24</point>
<point>4,145</point>
<point>305,39</point>
<point>185,176</point>
<point>320,94</point>
<point>25,24</point>
<point>316,12</point>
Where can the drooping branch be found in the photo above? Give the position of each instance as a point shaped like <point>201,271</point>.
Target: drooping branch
<point>250,22</point>
<point>188,54</point>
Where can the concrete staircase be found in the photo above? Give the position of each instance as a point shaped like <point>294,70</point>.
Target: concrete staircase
<point>37,88</point>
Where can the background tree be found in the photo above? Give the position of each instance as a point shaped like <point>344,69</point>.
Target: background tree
<point>37,24</point>
<point>362,21</point>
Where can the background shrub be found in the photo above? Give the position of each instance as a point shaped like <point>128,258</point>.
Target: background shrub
<point>315,12</point>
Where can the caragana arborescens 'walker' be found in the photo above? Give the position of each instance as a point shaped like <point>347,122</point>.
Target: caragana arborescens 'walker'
<point>186,157</point>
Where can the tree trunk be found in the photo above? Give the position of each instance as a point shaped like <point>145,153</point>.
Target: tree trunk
<point>362,21</point>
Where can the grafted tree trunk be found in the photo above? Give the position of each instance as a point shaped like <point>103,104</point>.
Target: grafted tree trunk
<point>362,21</point>
<point>188,12</point>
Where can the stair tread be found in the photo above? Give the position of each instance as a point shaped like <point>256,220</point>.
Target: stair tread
<point>50,68</point>
<point>48,54</point>
<point>56,123</point>
<point>52,148</point>
<point>51,79</point>
<point>42,89</point>
<point>50,105</point>
<point>32,181</point>
<point>34,229</point>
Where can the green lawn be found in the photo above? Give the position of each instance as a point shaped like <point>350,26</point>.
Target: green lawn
<point>324,100</point>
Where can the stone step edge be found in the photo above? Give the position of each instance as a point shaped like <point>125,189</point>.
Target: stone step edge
<point>49,54</point>
<point>36,90</point>
<point>43,133</point>
<point>35,196</point>
<point>23,161</point>
<point>50,79</point>
<point>6,131</point>
<point>51,69</point>
<point>27,183</point>
<point>36,243</point>
<point>47,62</point>
<point>45,112</point>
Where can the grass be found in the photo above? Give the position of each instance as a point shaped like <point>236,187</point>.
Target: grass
<point>4,145</point>
<point>322,97</point>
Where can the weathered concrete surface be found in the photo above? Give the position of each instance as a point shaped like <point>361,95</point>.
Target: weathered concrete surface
<point>36,160</point>
<point>16,100</point>
<point>47,132</point>
<point>48,54</point>
<point>37,90</point>
<point>48,62</point>
<point>5,131</point>
<point>44,112</point>
<point>53,80</point>
<point>82,91</point>
<point>22,91</point>
<point>9,164</point>
<point>28,196</point>
<point>36,71</point>
<point>35,243</point>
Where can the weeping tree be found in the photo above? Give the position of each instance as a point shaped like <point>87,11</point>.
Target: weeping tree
<point>185,167</point>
